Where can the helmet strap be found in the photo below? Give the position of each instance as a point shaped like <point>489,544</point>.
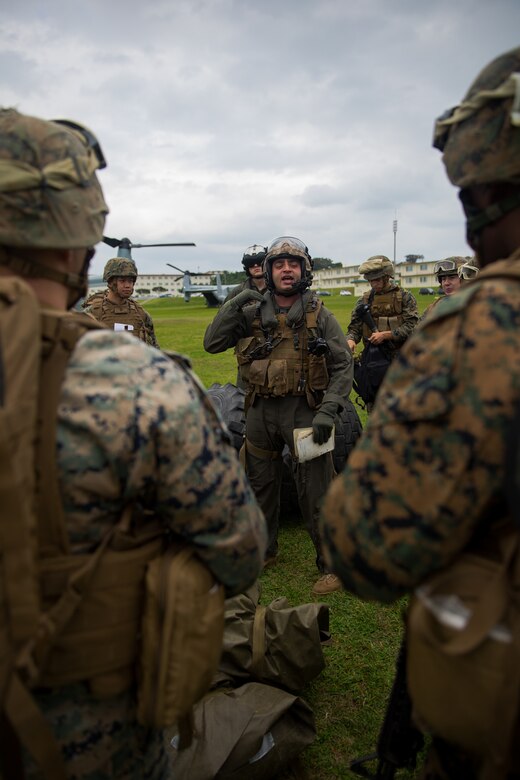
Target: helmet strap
<point>476,222</point>
<point>77,284</point>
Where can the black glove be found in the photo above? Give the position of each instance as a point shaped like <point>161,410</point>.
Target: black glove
<point>323,422</point>
<point>243,297</point>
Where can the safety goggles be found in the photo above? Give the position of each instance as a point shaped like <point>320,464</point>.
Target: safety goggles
<point>468,271</point>
<point>445,265</point>
<point>88,137</point>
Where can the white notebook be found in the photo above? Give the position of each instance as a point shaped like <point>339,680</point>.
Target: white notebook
<point>307,449</point>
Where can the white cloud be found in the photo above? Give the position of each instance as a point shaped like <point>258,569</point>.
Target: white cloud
<point>229,122</point>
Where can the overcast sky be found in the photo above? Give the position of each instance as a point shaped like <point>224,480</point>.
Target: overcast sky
<point>231,122</point>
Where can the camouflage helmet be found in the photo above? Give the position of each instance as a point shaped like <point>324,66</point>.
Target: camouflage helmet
<point>119,266</point>
<point>376,267</point>
<point>480,138</point>
<point>50,197</point>
<point>288,246</point>
<point>254,255</point>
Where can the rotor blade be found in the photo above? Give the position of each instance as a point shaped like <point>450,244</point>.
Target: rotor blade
<point>111,241</point>
<point>177,269</point>
<point>138,246</point>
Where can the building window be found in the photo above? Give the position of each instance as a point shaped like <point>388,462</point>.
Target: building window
<point>424,267</point>
<point>409,268</point>
<point>408,280</point>
<point>423,278</point>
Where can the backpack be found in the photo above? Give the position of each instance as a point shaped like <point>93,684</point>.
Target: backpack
<point>34,350</point>
<point>45,638</point>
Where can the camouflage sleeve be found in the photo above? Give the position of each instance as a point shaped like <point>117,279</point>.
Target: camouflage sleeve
<point>151,330</point>
<point>410,316</point>
<point>228,327</point>
<point>340,363</point>
<point>429,467</point>
<point>355,326</point>
<point>134,428</point>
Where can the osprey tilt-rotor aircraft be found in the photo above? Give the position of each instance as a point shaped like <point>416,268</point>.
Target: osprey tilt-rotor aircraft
<point>215,294</point>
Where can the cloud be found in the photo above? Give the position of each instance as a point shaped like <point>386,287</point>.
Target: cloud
<point>229,122</point>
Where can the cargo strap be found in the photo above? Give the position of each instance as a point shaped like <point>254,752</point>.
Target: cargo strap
<point>260,453</point>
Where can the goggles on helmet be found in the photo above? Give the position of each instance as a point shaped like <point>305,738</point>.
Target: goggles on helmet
<point>444,265</point>
<point>287,245</point>
<point>468,271</point>
<point>88,137</point>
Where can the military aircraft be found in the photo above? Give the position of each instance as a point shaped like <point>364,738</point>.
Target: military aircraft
<point>215,294</point>
<point>124,249</point>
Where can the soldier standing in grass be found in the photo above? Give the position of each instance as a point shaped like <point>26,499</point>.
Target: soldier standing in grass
<point>427,480</point>
<point>127,428</point>
<point>116,308</point>
<point>294,360</point>
<point>394,314</point>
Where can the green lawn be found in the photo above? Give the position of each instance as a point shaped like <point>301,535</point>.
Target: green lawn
<point>349,696</point>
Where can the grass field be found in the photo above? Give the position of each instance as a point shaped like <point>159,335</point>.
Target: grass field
<point>349,696</point>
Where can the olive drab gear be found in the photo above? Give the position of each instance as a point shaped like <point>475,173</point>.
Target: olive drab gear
<point>376,267</point>
<point>119,266</point>
<point>278,362</point>
<point>129,312</point>
<point>288,246</point>
<point>386,309</point>
<point>49,193</point>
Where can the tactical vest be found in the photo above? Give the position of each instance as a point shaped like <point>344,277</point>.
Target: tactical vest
<point>278,362</point>
<point>128,313</point>
<point>386,309</point>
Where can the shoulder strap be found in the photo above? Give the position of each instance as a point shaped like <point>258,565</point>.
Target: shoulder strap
<point>60,333</point>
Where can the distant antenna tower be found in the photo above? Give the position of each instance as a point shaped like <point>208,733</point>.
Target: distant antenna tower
<point>395,235</point>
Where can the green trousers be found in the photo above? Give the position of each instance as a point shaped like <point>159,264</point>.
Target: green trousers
<point>270,423</point>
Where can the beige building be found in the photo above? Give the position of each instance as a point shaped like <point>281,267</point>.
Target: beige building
<point>414,274</point>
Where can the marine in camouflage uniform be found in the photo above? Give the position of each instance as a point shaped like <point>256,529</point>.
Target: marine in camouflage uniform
<point>115,308</point>
<point>393,309</point>
<point>252,260</point>
<point>394,314</point>
<point>298,371</point>
<point>133,427</point>
<point>427,478</point>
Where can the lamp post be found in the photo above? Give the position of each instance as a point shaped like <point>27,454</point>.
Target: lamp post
<point>395,234</point>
